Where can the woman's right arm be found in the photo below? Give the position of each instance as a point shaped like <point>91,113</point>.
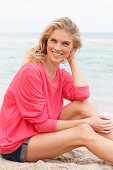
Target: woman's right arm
<point>98,123</point>
<point>77,75</point>
<point>65,124</point>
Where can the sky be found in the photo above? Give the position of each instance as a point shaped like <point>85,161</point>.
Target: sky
<point>35,15</point>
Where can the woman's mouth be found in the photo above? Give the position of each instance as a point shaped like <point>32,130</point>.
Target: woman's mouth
<point>57,54</point>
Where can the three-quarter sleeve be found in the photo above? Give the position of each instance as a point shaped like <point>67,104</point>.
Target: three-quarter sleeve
<point>71,92</point>
<point>31,101</point>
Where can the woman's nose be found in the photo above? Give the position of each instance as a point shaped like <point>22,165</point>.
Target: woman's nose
<point>58,46</point>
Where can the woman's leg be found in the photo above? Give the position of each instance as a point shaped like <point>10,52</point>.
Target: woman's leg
<point>81,109</point>
<point>78,110</point>
<point>101,147</point>
<point>49,145</point>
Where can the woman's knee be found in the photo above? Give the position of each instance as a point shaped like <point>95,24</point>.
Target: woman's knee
<point>81,105</point>
<point>84,105</point>
<point>86,109</point>
<point>85,134</point>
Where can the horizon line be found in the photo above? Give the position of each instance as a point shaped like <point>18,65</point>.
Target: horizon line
<point>40,32</point>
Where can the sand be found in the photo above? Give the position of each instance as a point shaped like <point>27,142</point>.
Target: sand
<point>79,159</point>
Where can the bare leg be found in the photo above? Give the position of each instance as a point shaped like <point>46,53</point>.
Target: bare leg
<point>78,110</point>
<point>49,145</point>
<point>101,147</point>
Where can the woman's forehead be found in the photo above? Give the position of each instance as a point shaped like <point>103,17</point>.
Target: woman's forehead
<point>61,33</point>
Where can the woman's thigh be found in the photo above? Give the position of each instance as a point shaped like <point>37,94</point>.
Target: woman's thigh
<point>78,110</point>
<point>49,145</point>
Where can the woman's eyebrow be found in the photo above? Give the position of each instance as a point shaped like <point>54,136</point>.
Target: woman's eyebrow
<point>52,38</point>
<point>62,41</point>
<point>67,42</point>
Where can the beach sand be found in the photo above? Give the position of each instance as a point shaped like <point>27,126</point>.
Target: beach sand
<point>79,159</point>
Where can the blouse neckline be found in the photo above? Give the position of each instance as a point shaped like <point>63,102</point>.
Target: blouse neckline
<point>47,74</point>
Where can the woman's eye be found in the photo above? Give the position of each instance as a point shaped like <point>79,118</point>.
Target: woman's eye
<point>53,40</point>
<point>65,43</point>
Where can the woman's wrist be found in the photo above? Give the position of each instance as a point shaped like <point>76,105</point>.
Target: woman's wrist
<point>72,60</point>
<point>78,78</point>
<point>65,124</point>
<point>82,121</point>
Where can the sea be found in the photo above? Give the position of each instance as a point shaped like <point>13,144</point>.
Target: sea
<point>95,60</point>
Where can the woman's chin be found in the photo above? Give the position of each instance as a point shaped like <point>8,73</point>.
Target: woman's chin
<point>57,61</point>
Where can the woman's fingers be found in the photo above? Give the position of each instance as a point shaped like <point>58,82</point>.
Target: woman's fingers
<point>104,117</point>
<point>105,129</point>
<point>106,121</point>
<point>107,124</point>
<point>106,132</point>
<point>108,128</point>
<point>101,124</point>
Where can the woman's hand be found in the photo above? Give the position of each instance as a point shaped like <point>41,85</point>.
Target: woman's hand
<point>76,72</point>
<point>101,124</point>
<point>71,57</point>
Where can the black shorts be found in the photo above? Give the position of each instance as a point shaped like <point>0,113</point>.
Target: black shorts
<point>19,154</point>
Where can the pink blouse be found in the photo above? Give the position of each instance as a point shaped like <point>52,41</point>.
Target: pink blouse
<point>32,104</point>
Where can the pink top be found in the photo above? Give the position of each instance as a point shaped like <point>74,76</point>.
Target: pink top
<point>32,104</point>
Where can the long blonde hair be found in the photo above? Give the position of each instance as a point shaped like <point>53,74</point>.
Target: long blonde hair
<point>39,52</point>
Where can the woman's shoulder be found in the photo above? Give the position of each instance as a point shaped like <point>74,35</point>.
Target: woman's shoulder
<point>29,70</point>
<point>31,67</point>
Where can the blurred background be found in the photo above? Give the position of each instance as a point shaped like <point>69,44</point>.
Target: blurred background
<point>23,21</point>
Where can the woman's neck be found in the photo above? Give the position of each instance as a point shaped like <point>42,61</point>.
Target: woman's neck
<point>51,69</point>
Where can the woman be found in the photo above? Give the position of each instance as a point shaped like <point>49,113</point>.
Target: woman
<point>33,122</point>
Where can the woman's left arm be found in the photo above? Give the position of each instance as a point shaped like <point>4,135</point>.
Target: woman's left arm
<point>78,78</point>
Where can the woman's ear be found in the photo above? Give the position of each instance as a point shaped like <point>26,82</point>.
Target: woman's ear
<point>74,49</point>
<point>70,56</point>
<point>72,53</point>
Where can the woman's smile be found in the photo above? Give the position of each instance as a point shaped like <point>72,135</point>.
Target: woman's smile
<point>57,54</point>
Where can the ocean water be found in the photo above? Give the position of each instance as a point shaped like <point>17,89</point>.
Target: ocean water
<point>95,59</point>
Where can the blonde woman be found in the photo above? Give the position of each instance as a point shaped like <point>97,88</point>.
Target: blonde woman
<point>34,124</point>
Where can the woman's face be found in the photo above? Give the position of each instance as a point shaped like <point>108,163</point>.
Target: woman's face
<point>59,45</point>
